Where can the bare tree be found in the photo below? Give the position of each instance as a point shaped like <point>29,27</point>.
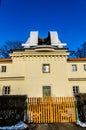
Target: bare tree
<point>81,52</point>
<point>8,46</point>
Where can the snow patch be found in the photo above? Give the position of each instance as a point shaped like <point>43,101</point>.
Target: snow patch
<point>19,126</point>
<point>82,124</point>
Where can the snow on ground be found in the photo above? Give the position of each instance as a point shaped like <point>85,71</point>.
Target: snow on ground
<point>19,126</point>
<point>81,123</point>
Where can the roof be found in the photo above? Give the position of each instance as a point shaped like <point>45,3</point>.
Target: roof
<point>5,60</point>
<point>76,59</point>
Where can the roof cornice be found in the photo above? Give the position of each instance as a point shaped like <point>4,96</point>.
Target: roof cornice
<point>5,60</point>
<point>76,59</point>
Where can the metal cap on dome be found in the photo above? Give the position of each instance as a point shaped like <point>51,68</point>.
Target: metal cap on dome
<point>55,39</point>
<point>52,40</point>
<point>32,40</point>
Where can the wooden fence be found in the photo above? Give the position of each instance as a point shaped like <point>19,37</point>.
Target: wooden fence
<point>51,110</point>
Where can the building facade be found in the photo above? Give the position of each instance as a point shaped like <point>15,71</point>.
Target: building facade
<point>42,69</point>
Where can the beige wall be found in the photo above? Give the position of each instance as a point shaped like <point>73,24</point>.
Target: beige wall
<point>24,74</point>
<point>77,78</point>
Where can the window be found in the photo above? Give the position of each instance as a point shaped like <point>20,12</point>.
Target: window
<point>46,91</point>
<point>6,90</point>
<point>75,89</point>
<point>46,68</point>
<point>3,68</point>
<point>84,67</point>
<point>74,67</point>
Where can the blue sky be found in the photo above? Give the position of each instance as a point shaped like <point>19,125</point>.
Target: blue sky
<point>67,17</point>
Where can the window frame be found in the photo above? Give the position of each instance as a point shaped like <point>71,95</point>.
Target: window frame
<point>75,89</point>
<point>3,68</point>
<point>46,89</point>
<point>74,67</point>
<point>6,90</point>
<point>84,67</point>
<point>44,69</point>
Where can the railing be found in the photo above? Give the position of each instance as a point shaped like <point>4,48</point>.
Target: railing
<point>51,110</point>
